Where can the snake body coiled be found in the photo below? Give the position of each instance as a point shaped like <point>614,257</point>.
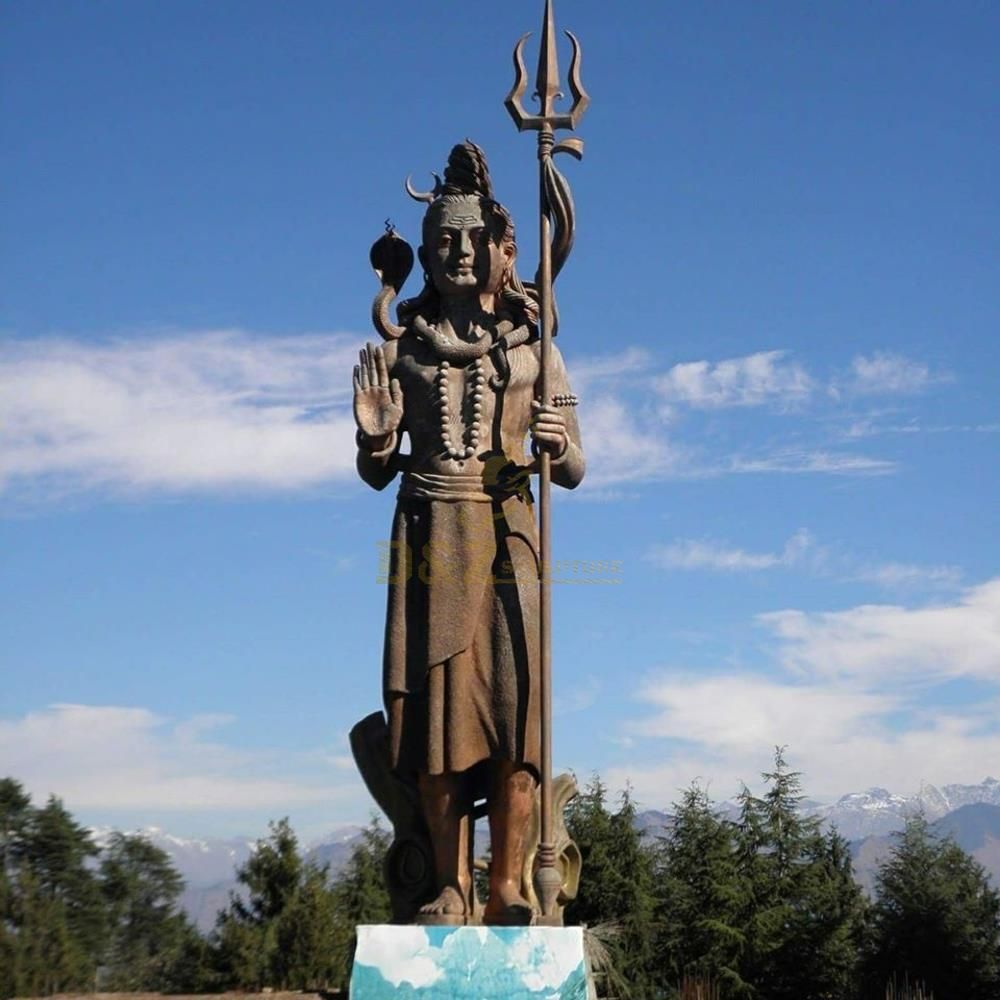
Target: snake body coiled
<point>392,260</point>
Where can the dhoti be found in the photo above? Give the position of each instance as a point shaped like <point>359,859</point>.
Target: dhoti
<point>461,661</point>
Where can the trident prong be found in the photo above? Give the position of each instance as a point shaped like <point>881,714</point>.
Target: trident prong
<point>581,99</point>
<point>546,83</point>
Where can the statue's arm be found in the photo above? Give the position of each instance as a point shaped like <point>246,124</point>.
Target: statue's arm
<point>568,468</point>
<point>378,469</point>
<point>378,412</point>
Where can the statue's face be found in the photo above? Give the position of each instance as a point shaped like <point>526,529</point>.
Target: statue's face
<point>459,252</point>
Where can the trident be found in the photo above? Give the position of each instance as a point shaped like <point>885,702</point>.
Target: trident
<point>555,206</point>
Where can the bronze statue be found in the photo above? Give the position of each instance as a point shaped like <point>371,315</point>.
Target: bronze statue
<point>469,376</point>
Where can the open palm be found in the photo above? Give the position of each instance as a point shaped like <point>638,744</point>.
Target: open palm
<point>378,402</point>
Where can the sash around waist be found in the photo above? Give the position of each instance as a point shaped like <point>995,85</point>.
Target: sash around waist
<point>459,486</point>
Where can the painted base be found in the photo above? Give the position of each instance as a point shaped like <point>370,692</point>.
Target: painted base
<point>477,963</point>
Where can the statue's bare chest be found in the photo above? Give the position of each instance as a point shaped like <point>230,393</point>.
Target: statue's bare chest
<point>463,409</point>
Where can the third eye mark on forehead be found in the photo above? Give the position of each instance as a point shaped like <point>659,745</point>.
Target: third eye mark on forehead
<point>465,220</point>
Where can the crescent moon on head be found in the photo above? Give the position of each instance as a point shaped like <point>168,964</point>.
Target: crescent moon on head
<point>425,196</point>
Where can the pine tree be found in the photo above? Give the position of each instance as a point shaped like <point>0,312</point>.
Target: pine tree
<point>58,853</point>
<point>832,918</point>
<point>8,953</point>
<point>802,910</point>
<point>15,815</point>
<point>50,915</point>
<point>190,966</point>
<point>617,885</point>
<point>246,930</point>
<point>62,917</point>
<point>271,874</point>
<point>141,889</point>
<point>242,951</point>
<point>15,811</point>
<point>284,931</point>
<point>698,892</point>
<point>306,935</point>
<point>45,958</point>
<point>360,895</point>
<point>935,919</point>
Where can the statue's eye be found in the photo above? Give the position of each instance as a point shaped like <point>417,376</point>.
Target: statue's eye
<point>478,237</point>
<point>444,240</point>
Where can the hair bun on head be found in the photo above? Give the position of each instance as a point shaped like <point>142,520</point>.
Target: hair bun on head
<point>467,171</point>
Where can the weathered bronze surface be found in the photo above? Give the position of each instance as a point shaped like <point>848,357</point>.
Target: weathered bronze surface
<point>468,373</point>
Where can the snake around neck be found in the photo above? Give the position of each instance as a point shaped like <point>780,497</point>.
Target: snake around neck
<point>448,347</point>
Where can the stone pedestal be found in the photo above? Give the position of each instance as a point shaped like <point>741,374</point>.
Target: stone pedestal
<point>478,963</point>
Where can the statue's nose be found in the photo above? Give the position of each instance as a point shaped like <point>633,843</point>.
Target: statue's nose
<point>465,246</point>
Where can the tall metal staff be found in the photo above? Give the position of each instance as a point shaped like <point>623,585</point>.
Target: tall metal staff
<point>555,212</point>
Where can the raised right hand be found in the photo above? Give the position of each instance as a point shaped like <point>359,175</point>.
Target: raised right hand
<point>378,402</point>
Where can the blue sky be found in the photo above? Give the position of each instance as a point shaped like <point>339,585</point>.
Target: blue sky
<point>781,318</point>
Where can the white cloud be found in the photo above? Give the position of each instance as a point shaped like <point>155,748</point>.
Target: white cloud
<point>860,704</point>
<point>229,410</point>
<point>947,748</point>
<point>895,574</point>
<point>804,461</point>
<point>938,641</point>
<point>885,373</point>
<point>800,551</point>
<point>176,412</point>
<point>689,553</point>
<point>870,427</point>
<point>693,554</point>
<point>588,371</point>
<point>104,757</point>
<point>753,380</point>
<point>744,712</point>
<point>620,450</point>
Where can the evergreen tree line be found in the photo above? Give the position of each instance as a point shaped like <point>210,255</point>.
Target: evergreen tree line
<point>761,907</point>
<point>765,906</point>
<point>74,917</point>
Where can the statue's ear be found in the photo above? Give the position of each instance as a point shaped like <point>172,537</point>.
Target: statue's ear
<point>422,257</point>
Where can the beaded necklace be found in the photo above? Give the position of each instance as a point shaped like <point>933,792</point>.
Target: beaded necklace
<point>461,449</point>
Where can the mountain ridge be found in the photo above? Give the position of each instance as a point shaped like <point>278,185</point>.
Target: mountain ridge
<point>868,819</point>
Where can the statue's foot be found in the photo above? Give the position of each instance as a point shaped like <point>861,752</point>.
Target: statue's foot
<point>507,907</point>
<point>448,908</point>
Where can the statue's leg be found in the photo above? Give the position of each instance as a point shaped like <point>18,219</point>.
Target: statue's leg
<point>446,812</point>
<point>510,804</point>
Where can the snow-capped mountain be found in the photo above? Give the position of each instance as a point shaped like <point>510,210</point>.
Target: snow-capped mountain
<point>202,861</point>
<point>867,814</point>
<point>987,791</point>
<point>878,812</point>
<point>975,827</point>
<point>208,864</point>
